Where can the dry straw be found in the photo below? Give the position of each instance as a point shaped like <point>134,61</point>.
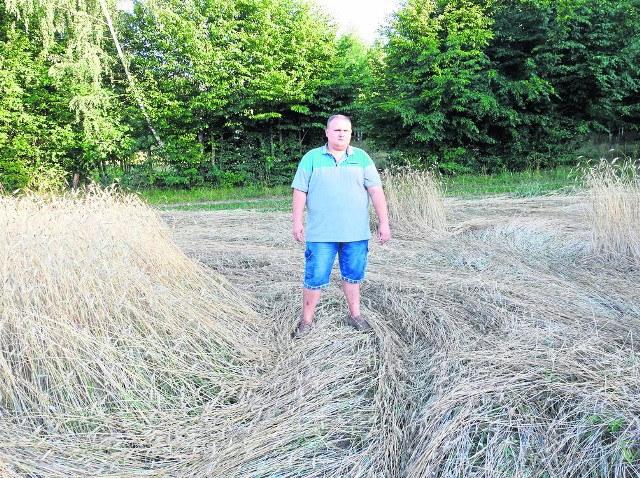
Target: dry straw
<point>415,200</point>
<point>614,209</point>
<point>102,316</point>
<point>506,349</point>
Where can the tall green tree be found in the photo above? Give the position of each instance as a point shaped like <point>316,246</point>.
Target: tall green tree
<point>436,100</point>
<point>593,63</point>
<point>472,84</point>
<point>14,143</point>
<point>567,72</point>
<point>527,130</point>
<point>231,85</point>
<point>349,77</point>
<point>56,74</point>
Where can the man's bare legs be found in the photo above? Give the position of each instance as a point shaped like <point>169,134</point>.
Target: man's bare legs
<point>310,299</point>
<point>352,294</point>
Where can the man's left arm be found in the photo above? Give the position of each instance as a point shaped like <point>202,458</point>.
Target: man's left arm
<point>380,205</point>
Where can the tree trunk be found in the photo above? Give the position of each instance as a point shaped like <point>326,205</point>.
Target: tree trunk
<point>134,88</point>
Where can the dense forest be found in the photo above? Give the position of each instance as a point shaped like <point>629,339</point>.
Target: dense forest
<point>185,93</point>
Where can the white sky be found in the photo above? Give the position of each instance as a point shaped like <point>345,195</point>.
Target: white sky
<point>362,16</point>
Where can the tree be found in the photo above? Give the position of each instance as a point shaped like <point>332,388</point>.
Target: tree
<point>436,99</point>
<point>526,130</point>
<point>592,53</point>
<point>515,84</point>
<point>57,85</point>
<point>565,72</point>
<point>349,76</point>
<point>231,85</point>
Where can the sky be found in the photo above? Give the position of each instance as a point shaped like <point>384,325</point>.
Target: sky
<point>362,16</point>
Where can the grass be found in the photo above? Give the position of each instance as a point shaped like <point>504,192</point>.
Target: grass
<point>492,371</point>
<point>278,198</point>
<point>415,201</point>
<point>102,314</point>
<point>164,197</point>
<point>517,184</point>
<point>261,205</point>
<point>614,208</point>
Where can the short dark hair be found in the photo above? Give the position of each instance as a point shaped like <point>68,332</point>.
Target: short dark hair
<point>332,117</point>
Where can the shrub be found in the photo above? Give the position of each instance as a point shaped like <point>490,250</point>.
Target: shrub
<point>13,174</point>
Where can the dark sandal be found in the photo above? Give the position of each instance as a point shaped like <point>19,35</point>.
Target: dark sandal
<point>358,323</point>
<point>302,330</point>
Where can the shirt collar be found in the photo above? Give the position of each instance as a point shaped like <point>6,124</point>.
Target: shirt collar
<point>348,152</point>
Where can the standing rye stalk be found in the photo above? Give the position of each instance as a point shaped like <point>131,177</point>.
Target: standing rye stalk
<point>614,209</point>
<point>416,202</point>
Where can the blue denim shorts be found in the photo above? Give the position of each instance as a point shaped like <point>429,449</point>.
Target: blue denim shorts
<point>320,256</point>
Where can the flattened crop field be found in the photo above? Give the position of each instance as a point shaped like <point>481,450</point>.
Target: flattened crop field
<point>142,343</point>
<point>502,347</point>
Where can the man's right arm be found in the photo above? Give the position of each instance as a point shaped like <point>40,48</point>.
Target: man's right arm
<point>299,201</point>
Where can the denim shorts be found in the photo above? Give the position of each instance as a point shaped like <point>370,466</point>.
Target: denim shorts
<point>320,256</point>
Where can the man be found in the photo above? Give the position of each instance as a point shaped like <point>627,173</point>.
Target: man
<point>335,183</point>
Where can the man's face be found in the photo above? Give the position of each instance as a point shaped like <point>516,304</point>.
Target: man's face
<point>339,134</point>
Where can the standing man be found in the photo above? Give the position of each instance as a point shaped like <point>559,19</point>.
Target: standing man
<point>335,182</point>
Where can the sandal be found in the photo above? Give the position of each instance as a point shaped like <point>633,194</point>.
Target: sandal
<point>303,329</point>
<point>358,323</point>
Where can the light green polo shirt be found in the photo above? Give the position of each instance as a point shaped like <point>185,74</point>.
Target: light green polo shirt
<point>337,197</point>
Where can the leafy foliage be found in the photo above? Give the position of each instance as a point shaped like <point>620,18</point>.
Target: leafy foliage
<point>59,116</point>
<point>231,85</point>
<point>469,84</point>
<point>233,92</point>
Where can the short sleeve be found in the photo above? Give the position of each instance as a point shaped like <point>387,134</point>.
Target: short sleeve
<point>303,174</point>
<point>371,176</point>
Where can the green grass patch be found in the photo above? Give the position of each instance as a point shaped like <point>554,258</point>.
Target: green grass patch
<point>278,198</point>
<point>518,184</point>
<point>161,197</point>
<point>260,205</point>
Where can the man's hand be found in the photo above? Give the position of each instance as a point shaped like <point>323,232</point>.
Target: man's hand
<point>298,232</point>
<point>380,205</point>
<point>299,201</point>
<point>384,233</point>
